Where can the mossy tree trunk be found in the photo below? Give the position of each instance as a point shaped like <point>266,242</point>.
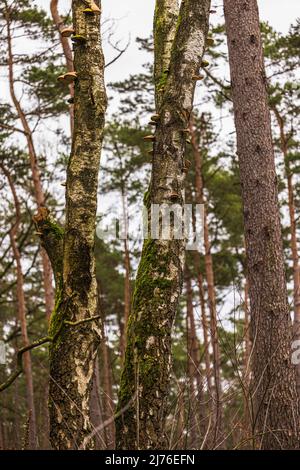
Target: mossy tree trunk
<point>179,46</point>
<point>276,413</point>
<point>75,324</point>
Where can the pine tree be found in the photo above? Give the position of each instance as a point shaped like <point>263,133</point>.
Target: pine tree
<point>274,386</point>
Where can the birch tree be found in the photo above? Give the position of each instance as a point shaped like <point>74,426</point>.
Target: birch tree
<point>179,43</point>
<point>75,328</point>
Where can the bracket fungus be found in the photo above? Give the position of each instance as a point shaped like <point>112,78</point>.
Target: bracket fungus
<point>149,137</point>
<point>197,77</point>
<point>68,77</point>
<point>204,63</point>
<point>78,38</point>
<point>67,32</point>
<point>88,11</point>
<point>210,41</point>
<point>91,6</point>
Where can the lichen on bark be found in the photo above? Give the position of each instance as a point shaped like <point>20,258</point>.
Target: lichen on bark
<point>179,46</point>
<point>75,342</point>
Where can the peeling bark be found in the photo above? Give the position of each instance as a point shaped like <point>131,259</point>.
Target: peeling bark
<point>145,378</point>
<point>276,411</point>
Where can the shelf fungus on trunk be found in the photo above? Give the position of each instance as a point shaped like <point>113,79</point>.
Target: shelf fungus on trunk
<point>204,63</point>
<point>155,117</point>
<point>198,77</point>
<point>78,39</point>
<point>150,137</point>
<point>67,32</point>
<point>210,42</point>
<point>68,77</point>
<point>92,7</point>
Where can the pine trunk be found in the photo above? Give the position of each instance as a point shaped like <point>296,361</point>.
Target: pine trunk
<point>275,395</point>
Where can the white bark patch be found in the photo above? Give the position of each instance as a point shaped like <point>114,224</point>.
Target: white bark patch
<point>83,378</point>
<point>59,415</point>
<point>195,46</point>
<point>150,342</point>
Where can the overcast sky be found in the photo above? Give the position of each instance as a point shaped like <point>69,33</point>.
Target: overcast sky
<point>135,17</point>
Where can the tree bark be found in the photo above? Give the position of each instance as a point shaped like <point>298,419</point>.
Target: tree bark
<point>145,378</point>
<point>75,325</point>
<point>275,396</point>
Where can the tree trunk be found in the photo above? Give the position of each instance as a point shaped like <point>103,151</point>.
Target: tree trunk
<point>210,291</point>
<point>205,333</point>
<point>247,367</point>
<point>36,177</point>
<point>196,419</point>
<point>107,392</point>
<point>127,295</point>
<point>75,324</point>
<point>96,410</point>
<point>145,377</point>
<point>275,396</point>
<point>21,307</point>
<point>284,145</point>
